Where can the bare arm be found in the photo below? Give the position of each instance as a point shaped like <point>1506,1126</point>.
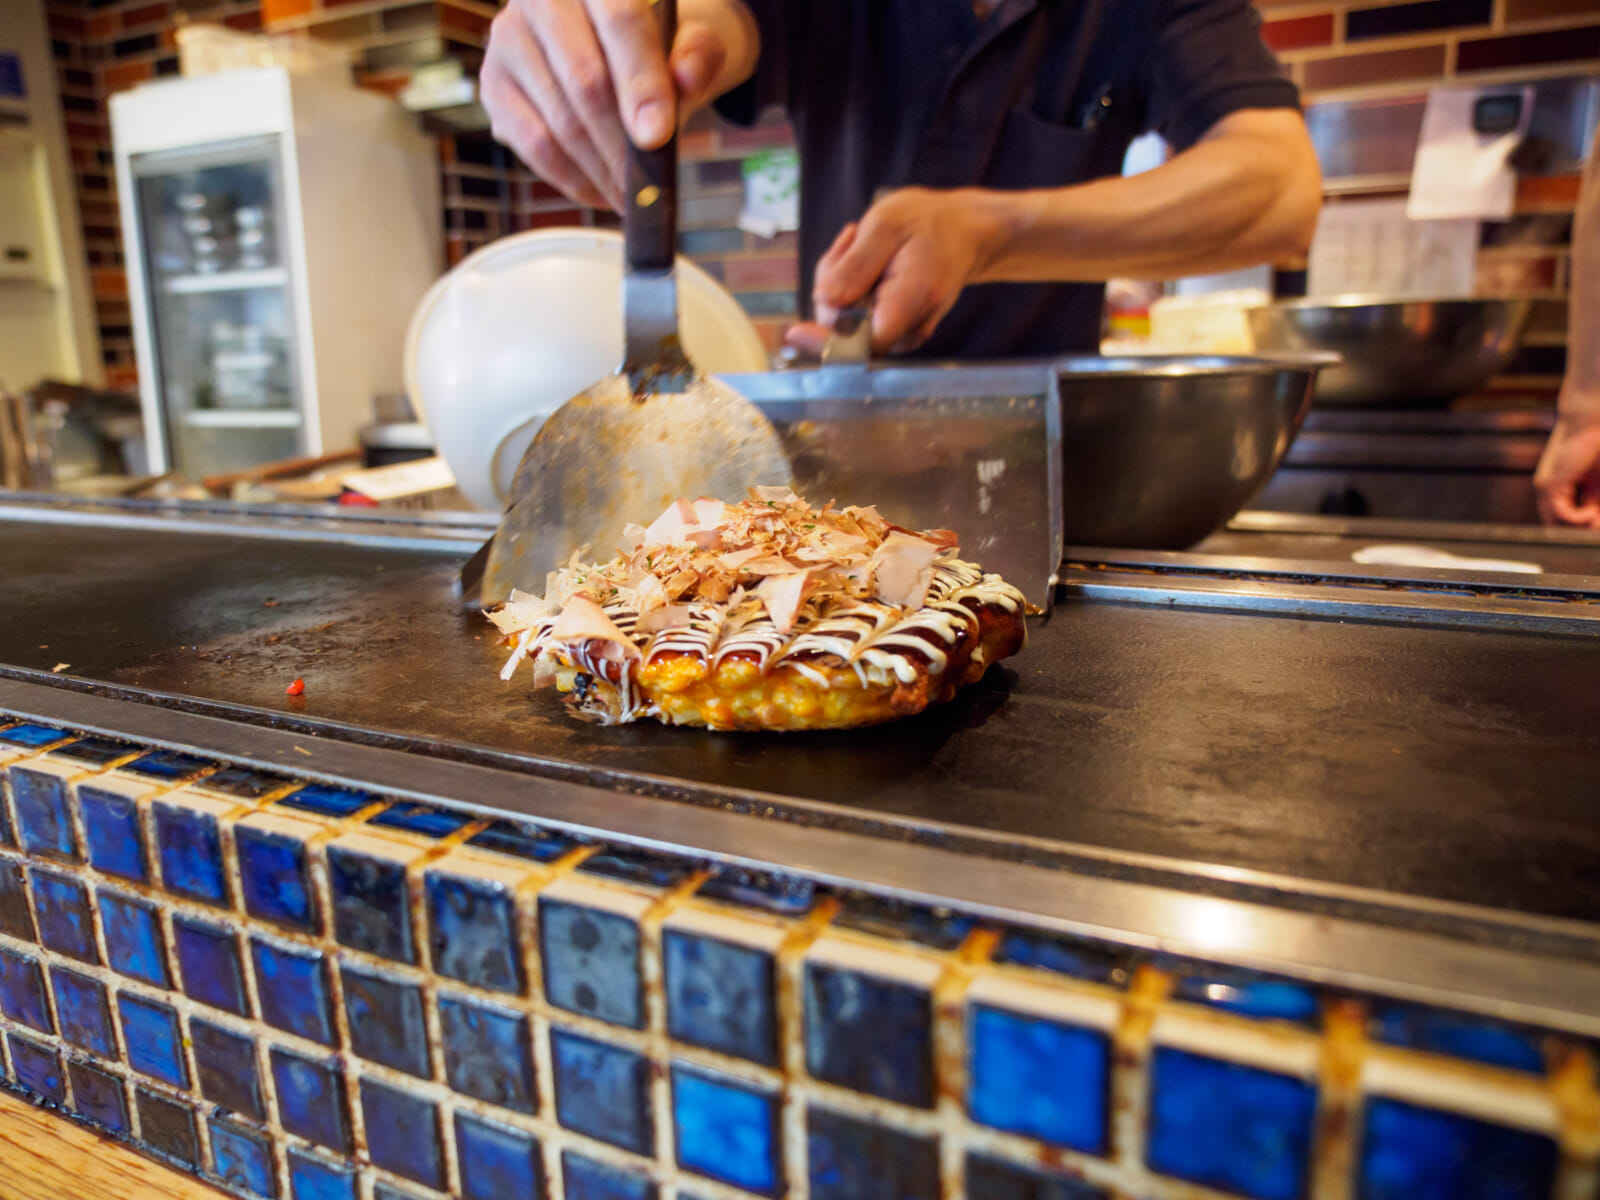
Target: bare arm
<point>1246,193</point>
<point>1568,478</point>
<point>567,82</point>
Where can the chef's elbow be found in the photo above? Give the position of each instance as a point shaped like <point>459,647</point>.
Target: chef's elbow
<point>1299,199</point>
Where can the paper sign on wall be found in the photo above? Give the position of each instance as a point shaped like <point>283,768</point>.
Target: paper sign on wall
<point>1458,171</point>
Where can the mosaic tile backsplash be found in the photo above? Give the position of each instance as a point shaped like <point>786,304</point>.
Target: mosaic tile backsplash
<point>302,991</point>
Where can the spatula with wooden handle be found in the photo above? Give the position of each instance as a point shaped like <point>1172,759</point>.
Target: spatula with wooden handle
<point>625,448</point>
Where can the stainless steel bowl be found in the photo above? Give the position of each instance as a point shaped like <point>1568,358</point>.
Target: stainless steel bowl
<point>1160,452</point>
<point>1397,353</point>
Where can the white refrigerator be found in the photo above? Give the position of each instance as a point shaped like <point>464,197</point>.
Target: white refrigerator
<point>278,230</point>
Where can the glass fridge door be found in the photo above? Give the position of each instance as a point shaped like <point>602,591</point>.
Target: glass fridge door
<point>221,308</point>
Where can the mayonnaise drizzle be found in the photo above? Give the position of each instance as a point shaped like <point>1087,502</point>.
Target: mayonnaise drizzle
<point>867,635</point>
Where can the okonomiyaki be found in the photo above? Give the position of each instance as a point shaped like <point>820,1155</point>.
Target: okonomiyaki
<point>767,614</point>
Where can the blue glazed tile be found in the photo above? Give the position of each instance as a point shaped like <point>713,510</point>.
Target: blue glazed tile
<point>519,841</point>
<point>242,783</point>
<point>208,960</point>
<point>473,931</point>
<point>1260,996</point>
<point>371,909</point>
<point>168,1127</point>
<point>190,847</point>
<point>1412,1153</point>
<point>1065,956</point>
<point>226,1065</point>
<point>83,1012</point>
<point>420,819</point>
<point>311,1099</point>
<point>638,866</point>
<point>727,1131</point>
<point>786,895</point>
<point>386,1021</point>
<point>1229,1126</point>
<point>1460,1035</point>
<point>868,1034</point>
<point>327,800</point>
<point>43,824</point>
<point>61,908</point>
<point>292,987</point>
<point>402,1133</point>
<point>99,1096</point>
<point>167,765</point>
<point>114,833</point>
<point>243,1157</point>
<point>603,1091</point>
<point>154,1043</point>
<point>22,991</point>
<point>37,1068</point>
<point>388,1191</point>
<point>101,752</point>
<point>497,1163</point>
<point>991,1179</point>
<point>274,878</point>
<point>16,918</point>
<point>590,1180</point>
<point>133,939</point>
<point>1040,1078</point>
<point>33,736</point>
<point>854,1160</point>
<point>721,995</point>
<point>487,1053</point>
<point>591,962</point>
<point>900,921</point>
<point>315,1178</point>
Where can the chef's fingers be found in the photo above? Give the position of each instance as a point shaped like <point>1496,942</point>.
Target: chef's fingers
<point>516,123</point>
<point>809,337</point>
<point>1560,505</point>
<point>825,310</point>
<point>698,56</point>
<point>631,37</point>
<point>908,301</point>
<point>577,67</point>
<point>532,72</point>
<point>857,259</point>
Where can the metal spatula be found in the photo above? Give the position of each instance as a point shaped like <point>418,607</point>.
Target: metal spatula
<point>625,448</point>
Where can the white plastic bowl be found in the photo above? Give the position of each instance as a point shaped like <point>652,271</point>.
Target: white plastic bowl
<point>527,322</point>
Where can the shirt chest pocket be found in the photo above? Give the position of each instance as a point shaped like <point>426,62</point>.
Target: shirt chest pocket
<point>1034,153</point>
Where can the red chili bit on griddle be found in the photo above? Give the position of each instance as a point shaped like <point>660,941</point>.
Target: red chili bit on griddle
<point>295,688</point>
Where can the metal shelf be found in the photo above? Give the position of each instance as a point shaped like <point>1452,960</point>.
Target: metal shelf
<point>242,418</point>
<point>226,281</point>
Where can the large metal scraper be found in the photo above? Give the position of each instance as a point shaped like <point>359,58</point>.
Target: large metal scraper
<point>625,448</point>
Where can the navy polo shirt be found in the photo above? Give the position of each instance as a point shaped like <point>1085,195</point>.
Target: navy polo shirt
<point>1040,93</point>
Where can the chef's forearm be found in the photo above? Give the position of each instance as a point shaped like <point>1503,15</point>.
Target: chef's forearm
<point>1580,391</point>
<point>1247,193</point>
<point>730,21</point>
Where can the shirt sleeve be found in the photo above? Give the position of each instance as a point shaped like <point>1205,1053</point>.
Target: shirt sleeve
<point>1209,61</point>
<point>769,84</point>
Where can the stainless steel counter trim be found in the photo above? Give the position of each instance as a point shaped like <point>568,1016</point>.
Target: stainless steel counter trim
<point>1249,596</point>
<point>1508,984</point>
<point>1380,529</point>
<point>1333,572</point>
<point>297,524</point>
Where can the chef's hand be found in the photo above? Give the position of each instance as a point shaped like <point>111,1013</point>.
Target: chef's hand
<point>567,82</point>
<point>917,248</point>
<point>1568,476</point>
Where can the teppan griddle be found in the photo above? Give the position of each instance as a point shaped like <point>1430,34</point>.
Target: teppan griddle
<point>1403,733</point>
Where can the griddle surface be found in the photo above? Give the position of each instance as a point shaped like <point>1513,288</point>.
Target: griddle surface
<point>1454,764</point>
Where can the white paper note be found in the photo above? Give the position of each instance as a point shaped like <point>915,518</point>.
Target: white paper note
<point>1459,172</point>
<point>1371,246</point>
